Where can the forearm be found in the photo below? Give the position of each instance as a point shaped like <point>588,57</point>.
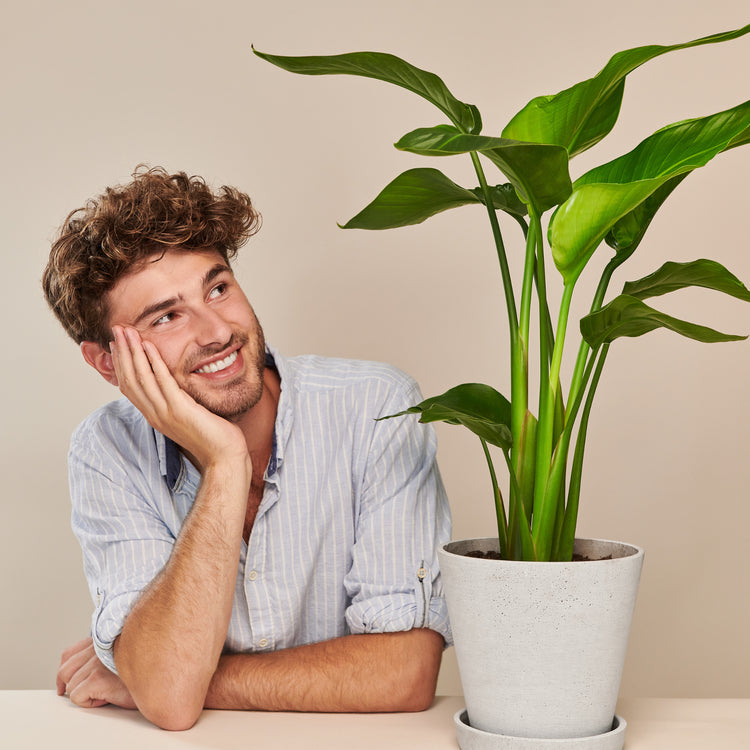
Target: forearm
<point>171,641</point>
<point>379,672</point>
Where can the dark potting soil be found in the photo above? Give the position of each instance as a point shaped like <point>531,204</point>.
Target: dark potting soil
<point>489,555</point>
<point>493,555</point>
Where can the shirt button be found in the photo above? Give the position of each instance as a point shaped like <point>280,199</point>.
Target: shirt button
<point>252,575</point>
<point>263,642</point>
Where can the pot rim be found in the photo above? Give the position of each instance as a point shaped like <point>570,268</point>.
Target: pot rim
<point>628,551</point>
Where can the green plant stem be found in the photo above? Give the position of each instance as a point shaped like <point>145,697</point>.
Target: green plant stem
<point>530,266</point>
<point>502,521</point>
<point>519,519</point>
<point>535,269</point>
<point>567,535</point>
<point>596,304</point>
<point>556,484</point>
<point>567,512</point>
<point>510,300</point>
<point>544,504</point>
<point>524,441</point>
<point>547,342</point>
<point>518,347</point>
<point>546,331</point>
<point>545,324</point>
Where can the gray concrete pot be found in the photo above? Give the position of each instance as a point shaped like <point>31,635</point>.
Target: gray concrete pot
<point>541,646</point>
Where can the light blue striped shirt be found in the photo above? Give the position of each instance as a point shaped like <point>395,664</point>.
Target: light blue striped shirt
<point>345,537</point>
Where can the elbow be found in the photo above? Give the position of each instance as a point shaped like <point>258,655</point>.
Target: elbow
<point>419,677</point>
<point>170,699</point>
<point>174,722</point>
<point>168,703</point>
<point>417,697</point>
<point>170,714</point>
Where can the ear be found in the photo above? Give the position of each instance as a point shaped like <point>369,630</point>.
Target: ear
<point>100,359</point>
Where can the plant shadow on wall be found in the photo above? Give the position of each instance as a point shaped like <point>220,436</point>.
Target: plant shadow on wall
<point>610,207</point>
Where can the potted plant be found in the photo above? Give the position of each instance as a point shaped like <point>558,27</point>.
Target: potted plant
<point>567,683</point>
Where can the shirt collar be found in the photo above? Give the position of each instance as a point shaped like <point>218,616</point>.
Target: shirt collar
<point>171,460</point>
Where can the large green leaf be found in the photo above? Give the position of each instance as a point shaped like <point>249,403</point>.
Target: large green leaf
<point>411,198</point>
<point>629,316</point>
<point>417,194</point>
<point>707,274</point>
<point>606,194</point>
<point>627,233</point>
<point>538,172</point>
<point>740,140</point>
<point>580,116</point>
<point>388,68</point>
<point>476,406</point>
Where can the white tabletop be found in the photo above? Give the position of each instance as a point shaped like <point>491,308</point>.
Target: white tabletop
<point>35,719</point>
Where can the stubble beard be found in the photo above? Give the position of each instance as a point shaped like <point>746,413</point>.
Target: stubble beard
<point>237,396</point>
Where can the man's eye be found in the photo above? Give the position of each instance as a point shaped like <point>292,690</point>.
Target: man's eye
<point>218,290</point>
<point>164,319</point>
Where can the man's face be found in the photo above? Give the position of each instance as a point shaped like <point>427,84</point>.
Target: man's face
<point>190,306</point>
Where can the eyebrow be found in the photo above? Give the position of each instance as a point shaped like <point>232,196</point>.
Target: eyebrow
<point>165,304</point>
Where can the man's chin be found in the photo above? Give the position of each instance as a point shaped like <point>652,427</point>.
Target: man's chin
<point>233,405</point>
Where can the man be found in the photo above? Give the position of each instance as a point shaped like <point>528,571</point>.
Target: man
<point>252,538</point>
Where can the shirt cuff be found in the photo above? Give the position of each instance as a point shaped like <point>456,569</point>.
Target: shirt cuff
<point>107,623</point>
<point>399,612</point>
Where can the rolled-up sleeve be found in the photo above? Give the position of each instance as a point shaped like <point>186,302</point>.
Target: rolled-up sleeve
<point>394,582</point>
<point>125,542</point>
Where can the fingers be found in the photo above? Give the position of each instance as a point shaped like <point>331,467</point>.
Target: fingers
<point>61,684</point>
<point>73,659</point>
<point>158,367</point>
<point>83,685</point>
<point>134,371</point>
<point>84,689</point>
<point>146,381</point>
<point>87,681</point>
<point>78,646</point>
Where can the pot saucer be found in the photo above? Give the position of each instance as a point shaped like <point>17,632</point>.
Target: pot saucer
<point>470,738</point>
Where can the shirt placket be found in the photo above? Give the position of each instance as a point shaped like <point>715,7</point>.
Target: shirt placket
<point>257,577</point>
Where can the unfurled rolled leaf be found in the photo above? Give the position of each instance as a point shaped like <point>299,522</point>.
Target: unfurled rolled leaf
<point>629,316</point>
<point>606,194</point>
<point>505,198</point>
<point>538,172</point>
<point>580,116</point>
<point>626,233</point>
<point>418,194</point>
<point>478,407</point>
<point>388,68</point>
<point>707,274</point>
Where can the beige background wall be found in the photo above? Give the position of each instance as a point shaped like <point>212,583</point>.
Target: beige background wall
<point>90,89</point>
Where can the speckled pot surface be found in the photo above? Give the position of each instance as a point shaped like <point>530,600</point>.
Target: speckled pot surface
<point>541,646</point>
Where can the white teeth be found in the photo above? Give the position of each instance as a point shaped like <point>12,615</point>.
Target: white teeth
<point>220,365</point>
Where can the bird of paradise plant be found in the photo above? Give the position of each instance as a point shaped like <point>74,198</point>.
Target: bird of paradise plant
<point>610,205</point>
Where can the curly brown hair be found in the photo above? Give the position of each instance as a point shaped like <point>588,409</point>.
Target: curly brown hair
<point>101,242</point>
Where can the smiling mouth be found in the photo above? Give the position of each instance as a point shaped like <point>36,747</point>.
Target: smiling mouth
<point>219,365</point>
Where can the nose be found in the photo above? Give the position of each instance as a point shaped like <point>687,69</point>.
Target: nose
<point>211,328</point>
